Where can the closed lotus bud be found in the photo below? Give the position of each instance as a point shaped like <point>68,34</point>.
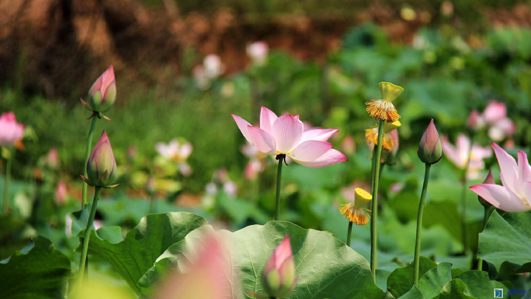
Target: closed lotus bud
<point>101,167</point>
<point>102,94</point>
<point>279,273</point>
<point>488,180</point>
<point>430,147</point>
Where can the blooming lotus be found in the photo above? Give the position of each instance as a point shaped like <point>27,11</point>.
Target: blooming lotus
<point>101,166</point>
<point>515,193</point>
<point>178,153</point>
<point>10,130</point>
<point>102,94</point>
<point>458,155</point>
<point>279,272</point>
<point>285,135</point>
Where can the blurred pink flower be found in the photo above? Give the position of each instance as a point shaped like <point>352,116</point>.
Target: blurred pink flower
<point>258,52</point>
<point>210,277</point>
<point>52,159</point>
<point>255,164</point>
<point>279,272</point>
<point>10,130</point>
<point>348,145</point>
<point>458,155</point>
<point>514,195</point>
<point>61,193</point>
<point>495,117</point>
<point>285,135</point>
<point>213,66</point>
<point>178,153</point>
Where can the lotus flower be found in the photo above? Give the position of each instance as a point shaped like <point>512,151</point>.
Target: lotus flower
<point>458,155</point>
<point>430,148</point>
<point>178,153</point>
<point>208,278</point>
<point>10,130</point>
<point>285,135</point>
<point>258,52</point>
<point>515,193</point>
<point>279,273</point>
<point>495,116</point>
<point>101,166</point>
<point>102,94</point>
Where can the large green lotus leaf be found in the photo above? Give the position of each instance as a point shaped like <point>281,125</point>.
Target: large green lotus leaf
<point>507,239</point>
<point>401,280</point>
<point>478,283</point>
<point>14,235</point>
<point>431,283</point>
<point>133,256</point>
<point>325,266</point>
<point>39,273</point>
<point>455,289</point>
<point>414,293</point>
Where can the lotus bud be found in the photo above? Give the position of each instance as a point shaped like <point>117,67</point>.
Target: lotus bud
<point>430,147</point>
<point>10,130</point>
<point>488,180</point>
<point>101,166</point>
<point>279,273</point>
<point>102,94</point>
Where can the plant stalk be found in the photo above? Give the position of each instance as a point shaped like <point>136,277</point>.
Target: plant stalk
<point>7,178</point>
<point>87,155</point>
<point>86,237</point>
<point>280,159</point>
<point>419,223</point>
<point>376,157</point>
<point>349,233</point>
<point>464,181</point>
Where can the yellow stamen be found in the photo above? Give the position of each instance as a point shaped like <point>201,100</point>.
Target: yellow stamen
<point>371,136</point>
<point>382,110</point>
<point>354,214</point>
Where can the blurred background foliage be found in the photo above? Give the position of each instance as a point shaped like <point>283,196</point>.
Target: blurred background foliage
<point>324,62</point>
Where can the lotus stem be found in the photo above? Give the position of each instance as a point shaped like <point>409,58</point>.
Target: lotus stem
<point>7,178</point>
<point>374,205</point>
<point>86,237</point>
<point>419,223</point>
<point>280,159</point>
<point>349,233</point>
<point>87,155</point>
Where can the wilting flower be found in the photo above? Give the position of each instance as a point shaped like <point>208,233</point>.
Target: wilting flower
<point>458,155</point>
<point>515,193</point>
<point>389,156</point>
<point>285,135</point>
<point>207,278</point>
<point>101,166</point>
<point>279,273</point>
<point>178,153</point>
<point>102,94</point>
<point>258,52</point>
<point>371,135</point>
<point>355,211</point>
<point>61,193</point>
<point>384,109</point>
<point>430,148</point>
<point>10,130</point>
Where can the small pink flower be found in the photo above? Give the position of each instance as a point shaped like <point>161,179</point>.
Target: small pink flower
<point>52,159</point>
<point>458,155</point>
<point>10,130</point>
<point>430,149</point>
<point>515,193</point>
<point>61,193</point>
<point>285,135</point>
<point>210,277</point>
<point>279,272</point>
<point>258,52</point>
<point>178,153</point>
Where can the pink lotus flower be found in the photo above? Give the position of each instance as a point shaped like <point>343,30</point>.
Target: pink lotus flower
<point>178,153</point>
<point>279,272</point>
<point>458,155</point>
<point>285,135</point>
<point>102,93</point>
<point>495,117</point>
<point>10,130</point>
<point>515,193</point>
<point>210,277</point>
<point>258,52</point>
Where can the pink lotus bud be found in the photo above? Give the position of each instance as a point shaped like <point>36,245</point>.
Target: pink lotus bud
<point>430,148</point>
<point>10,130</point>
<point>102,94</point>
<point>101,167</point>
<point>52,159</point>
<point>61,193</point>
<point>488,180</point>
<point>279,273</point>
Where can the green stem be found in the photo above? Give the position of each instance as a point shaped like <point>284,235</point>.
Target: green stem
<point>381,170</point>
<point>419,223</point>
<point>464,181</point>
<point>8,176</point>
<point>86,237</point>
<point>280,159</point>
<point>374,203</point>
<point>487,212</point>
<point>349,233</point>
<point>87,155</point>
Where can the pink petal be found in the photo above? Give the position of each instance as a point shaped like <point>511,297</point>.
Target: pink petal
<point>267,118</point>
<point>263,141</point>
<point>242,125</point>
<point>500,197</point>
<point>332,156</point>
<point>282,252</point>
<point>523,168</point>
<point>494,112</point>
<point>451,153</point>
<point>310,150</point>
<point>508,170</point>
<point>318,134</point>
<point>107,80</point>
<point>186,150</point>
<point>162,149</point>
<point>287,131</point>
